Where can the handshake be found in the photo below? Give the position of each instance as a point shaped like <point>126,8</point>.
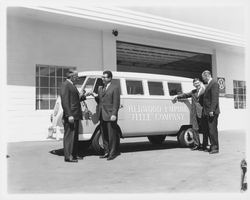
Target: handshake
<point>174,99</point>
<point>93,94</point>
<point>86,94</point>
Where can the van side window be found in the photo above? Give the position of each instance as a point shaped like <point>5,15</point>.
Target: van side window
<point>134,87</point>
<point>80,81</point>
<point>174,88</point>
<point>155,88</point>
<point>117,82</point>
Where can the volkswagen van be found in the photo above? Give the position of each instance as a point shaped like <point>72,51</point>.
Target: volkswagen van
<point>146,108</point>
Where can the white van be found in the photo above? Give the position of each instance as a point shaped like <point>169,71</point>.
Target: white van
<point>146,108</point>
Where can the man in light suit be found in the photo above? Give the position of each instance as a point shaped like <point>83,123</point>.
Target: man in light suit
<point>211,111</point>
<point>108,100</point>
<point>72,113</point>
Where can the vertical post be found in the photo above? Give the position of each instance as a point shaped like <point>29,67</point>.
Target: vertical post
<point>108,51</point>
<point>214,65</point>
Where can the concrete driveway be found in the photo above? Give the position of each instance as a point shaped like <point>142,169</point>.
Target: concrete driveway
<point>141,168</point>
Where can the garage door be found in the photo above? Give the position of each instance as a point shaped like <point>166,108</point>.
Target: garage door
<point>148,59</point>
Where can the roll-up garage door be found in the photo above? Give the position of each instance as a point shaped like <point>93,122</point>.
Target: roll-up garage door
<point>149,59</point>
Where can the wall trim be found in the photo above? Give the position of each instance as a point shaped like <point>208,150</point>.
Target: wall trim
<point>149,22</point>
<point>229,96</point>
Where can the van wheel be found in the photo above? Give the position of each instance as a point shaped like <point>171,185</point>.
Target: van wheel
<point>186,137</point>
<point>156,139</point>
<point>97,143</point>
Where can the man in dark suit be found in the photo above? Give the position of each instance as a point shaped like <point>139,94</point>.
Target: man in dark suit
<point>196,109</point>
<point>108,100</point>
<point>211,111</point>
<point>72,113</point>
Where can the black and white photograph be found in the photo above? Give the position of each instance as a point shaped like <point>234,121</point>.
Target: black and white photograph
<point>124,99</point>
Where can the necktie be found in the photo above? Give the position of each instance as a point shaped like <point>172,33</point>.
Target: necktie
<point>104,88</point>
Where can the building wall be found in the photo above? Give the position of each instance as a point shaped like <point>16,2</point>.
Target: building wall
<point>35,42</point>
<point>231,66</point>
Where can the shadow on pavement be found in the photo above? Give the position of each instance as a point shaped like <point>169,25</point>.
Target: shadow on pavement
<point>58,152</point>
<point>147,146</point>
<point>125,148</point>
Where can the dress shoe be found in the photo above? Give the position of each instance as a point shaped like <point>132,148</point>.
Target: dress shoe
<point>71,160</point>
<point>112,157</point>
<point>78,158</point>
<point>194,148</point>
<point>104,156</point>
<point>204,148</point>
<point>214,151</point>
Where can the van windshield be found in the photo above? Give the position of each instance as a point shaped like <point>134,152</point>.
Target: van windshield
<point>99,83</point>
<point>89,85</point>
<point>80,81</point>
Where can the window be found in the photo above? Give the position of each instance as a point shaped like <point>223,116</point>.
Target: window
<point>155,88</point>
<point>174,88</point>
<point>117,82</point>
<point>92,82</point>
<point>89,85</point>
<point>239,94</point>
<point>48,83</point>
<point>80,81</point>
<point>99,83</point>
<point>134,87</point>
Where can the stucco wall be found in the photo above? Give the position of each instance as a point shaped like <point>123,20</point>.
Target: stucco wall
<point>35,42</point>
<point>231,66</point>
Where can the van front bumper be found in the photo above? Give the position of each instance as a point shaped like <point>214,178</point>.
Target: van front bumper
<point>55,132</point>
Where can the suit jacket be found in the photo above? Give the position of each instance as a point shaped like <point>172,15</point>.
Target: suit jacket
<point>108,101</point>
<point>70,99</point>
<point>211,98</point>
<point>196,106</point>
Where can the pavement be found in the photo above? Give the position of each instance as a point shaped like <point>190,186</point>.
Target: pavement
<point>141,168</point>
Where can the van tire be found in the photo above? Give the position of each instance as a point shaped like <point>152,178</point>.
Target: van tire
<point>186,137</point>
<point>97,143</point>
<point>156,139</point>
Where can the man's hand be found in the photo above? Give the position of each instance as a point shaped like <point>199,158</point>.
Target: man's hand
<point>71,119</point>
<point>211,114</point>
<point>113,118</point>
<point>83,92</point>
<point>174,100</point>
<point>92,94</point>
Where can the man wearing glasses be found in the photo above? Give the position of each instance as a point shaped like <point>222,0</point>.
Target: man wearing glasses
<point>108,99</point>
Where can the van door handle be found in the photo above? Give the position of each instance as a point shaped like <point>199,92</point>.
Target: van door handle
<point>121,106</point>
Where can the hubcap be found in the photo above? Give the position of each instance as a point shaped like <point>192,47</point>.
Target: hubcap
<point>189,137</point>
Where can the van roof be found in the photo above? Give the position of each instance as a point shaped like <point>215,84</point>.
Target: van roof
<point>136,75</point>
